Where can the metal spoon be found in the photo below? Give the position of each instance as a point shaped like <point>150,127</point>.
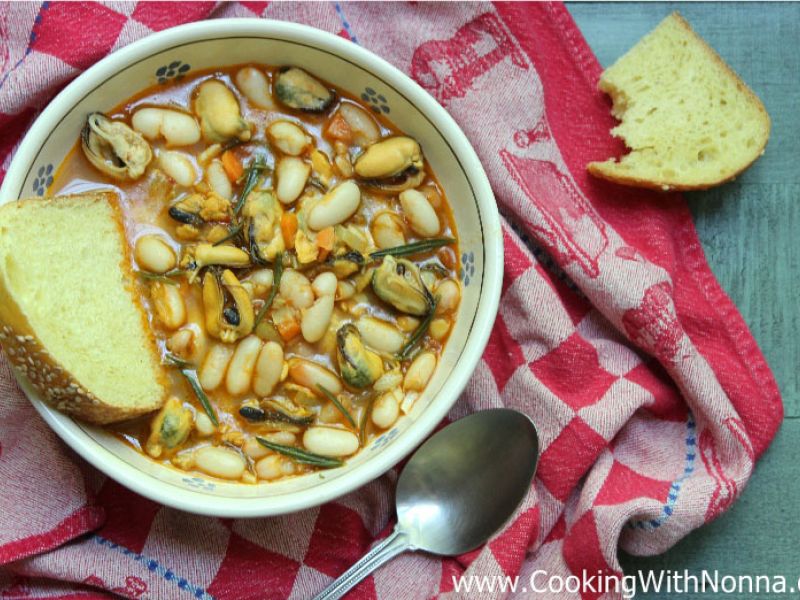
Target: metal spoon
<point>457,490</point>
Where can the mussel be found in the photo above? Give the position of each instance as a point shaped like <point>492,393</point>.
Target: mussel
<point>391,165</point>
<point>297,89</point>
<point>219,112</point>
<point>346,263</point>
<point>278,409</point>
<point>359,366</point>
<point>195,209</point>
<point>263,235</point>
<point>115,149</point>
<point>398,282</point>
<point>169,428</point>
<point>226,321</point>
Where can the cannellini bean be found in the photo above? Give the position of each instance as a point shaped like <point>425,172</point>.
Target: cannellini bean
<point>212,371</point>
<point>292,174</point>
<point>268,370</point>
<point>420,371</point>
<point>324,284</point>
<point>336,206</point>
<point>407,324</point>
<point>328,441</point>
<point>261,281</point>
<point>253,449</point>
<point>253,84</point>
<point>168,304</point>
<point>218,180</point>
<point>388,381</point>
<point>311,375</point>
<point>220,462</point>
<point>153,254</point>
<point>380,335</point>
<point>314,320</point>
<point>274,466</point>
<point>364,128</point>
<point>386,409</point>
<point>321,165</point>
<point>439,328</point>
<point>203,425</point>
<point>387,230</point>
<point>449,293</point>
<point>420,213</point>
<point>288,137</point>
<point>287,438</point>
<point>177,128</point>
<point>240,369</point>
<point>178,166</point>
<point>345,290</point>
<point>296,288</point>
<point>180,343</point>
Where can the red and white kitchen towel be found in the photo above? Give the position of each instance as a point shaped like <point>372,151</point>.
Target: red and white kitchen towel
<point>651,397</point>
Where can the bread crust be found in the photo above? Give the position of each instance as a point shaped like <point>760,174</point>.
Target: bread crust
<point>598,169</point>
<point>49,378</point>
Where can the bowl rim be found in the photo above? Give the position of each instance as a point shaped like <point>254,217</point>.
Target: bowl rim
<point>488,300</point>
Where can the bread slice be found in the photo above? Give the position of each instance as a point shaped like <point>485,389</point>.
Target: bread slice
<point>70,319</point>
<point>688,119</point>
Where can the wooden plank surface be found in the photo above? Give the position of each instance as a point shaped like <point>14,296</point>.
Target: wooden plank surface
<point>750,230</point>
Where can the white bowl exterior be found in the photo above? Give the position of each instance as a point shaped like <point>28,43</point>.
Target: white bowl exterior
<point>206,45</point>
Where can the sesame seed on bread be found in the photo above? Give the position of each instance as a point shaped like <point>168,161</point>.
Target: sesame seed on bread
<point>70,318</point>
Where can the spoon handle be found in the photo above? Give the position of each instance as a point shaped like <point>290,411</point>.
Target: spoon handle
<point>393,545</point>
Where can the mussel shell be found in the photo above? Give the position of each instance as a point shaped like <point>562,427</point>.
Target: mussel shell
<point>296,89</point>
<point>398,283</point>
<point>397,156</point>
<point>347,263</point>
<point>358,366</point>
<point>184,217</point>
<point>115,149</point>
<point>409,179</point>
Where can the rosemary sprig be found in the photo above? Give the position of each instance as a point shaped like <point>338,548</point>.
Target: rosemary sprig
<point>163,278</point>
<point>250,179</point>
<point>302,456</point>
<point>413,248</point>
<point>418,332</point>
<point>232,233</point>
<point>365,417</point>
<point>188,370</point>
<point>277,273</point>
<point>332,397</point>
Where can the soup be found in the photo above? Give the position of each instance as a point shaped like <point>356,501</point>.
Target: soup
<point>296,257</point>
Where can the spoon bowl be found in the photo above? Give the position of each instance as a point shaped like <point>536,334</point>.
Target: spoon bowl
<point>458,489</point>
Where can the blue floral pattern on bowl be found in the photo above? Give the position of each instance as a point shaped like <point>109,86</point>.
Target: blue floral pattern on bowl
<point>384,440</point>
<point>467,271</point>
<point>43,180</point>
<point>199,483</point>
<point>377,101</point>
<point>174,70</point>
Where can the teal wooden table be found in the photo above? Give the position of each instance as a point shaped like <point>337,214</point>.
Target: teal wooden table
<point>750,230</point>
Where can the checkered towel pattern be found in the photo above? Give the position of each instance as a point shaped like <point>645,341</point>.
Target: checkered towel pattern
<point>650,395</point>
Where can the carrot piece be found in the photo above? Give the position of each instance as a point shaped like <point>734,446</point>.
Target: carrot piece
<point>338,129</point>
<point>232,165</point>
<point>288,329</point>
<point>325,239</point>
<point>289,228</point>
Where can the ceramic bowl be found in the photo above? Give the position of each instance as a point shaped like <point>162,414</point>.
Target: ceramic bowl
<point>179,51</point>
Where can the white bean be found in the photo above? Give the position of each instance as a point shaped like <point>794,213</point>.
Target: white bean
<point>345,290</point>
<point>168,304</point>
<point>324,284</point>
<point>314,320</point>
<point>217,179</point>
<point>365,129</point>
<point>386,410</point>
<point>178,166</point>
<point>261,281</point>
<point>449,294</point>
<point>288,137</point>
<point>388,381</point>
<point>203,425</point>
<point>253,84</point>
<point>253,449</point>
<point>240,370</point>
<point>420,213</point>
<point>439,328</point>
<point>220,462</point>
<point>180,343</point>
<point>177,128</point>
<point>336,206</point>
<point>292,174</point>
<point>212,371</point>
<point>312,375</point>
<point>328,441</point>
<point>287,438</point>
<point>274,466</point>
<point>153,254</point>
<point>296,288</point>
<point>269,367</point>
<point>387,230</point>
<point>420,371</point>
<point>380,335</point>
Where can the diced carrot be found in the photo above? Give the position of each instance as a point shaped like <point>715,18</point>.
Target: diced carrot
<point>338,129</point>
<point>232,165</point>
<point>289,228</point>
<point>325,239</point>
<point>288,329</point>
